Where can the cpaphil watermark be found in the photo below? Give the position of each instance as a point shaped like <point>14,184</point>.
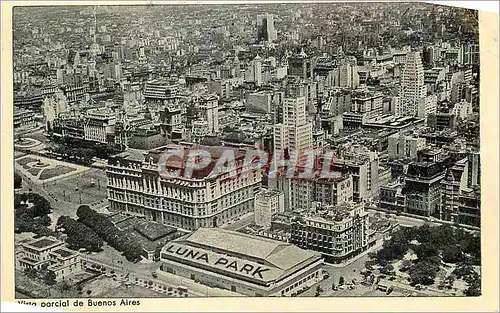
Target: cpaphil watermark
<point>198,163</point>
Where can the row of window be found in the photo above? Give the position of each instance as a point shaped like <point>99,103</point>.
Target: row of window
<point>298,283</point>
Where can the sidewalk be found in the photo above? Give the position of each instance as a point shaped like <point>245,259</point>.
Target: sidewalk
<point>199,288</point>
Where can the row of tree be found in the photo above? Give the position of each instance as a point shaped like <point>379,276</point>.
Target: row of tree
<point>79,235</point>
<point>118,239</point>
<point>84,149</point>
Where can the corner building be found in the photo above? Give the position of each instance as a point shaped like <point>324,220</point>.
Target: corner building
<point>135,186</point>
<point>242,263</point>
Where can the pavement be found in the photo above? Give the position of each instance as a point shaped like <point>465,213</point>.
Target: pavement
<point>59,206</point>
<point>349,272</point>
<point>112,259</point>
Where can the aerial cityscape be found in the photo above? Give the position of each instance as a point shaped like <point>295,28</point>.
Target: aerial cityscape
<point>246,150</point>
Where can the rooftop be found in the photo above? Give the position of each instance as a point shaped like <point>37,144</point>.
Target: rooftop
<point>132,155</point>
<point>43,242</point>
<point>63,252</point>
<point>278,254</point>
<point>153,231</point>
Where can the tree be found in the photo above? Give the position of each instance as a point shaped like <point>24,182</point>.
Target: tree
<point>49,277</point>
<point>341,280</point>
<point>65,286</point>
<point>405,265</point>
<point>423,273</point>
<point>45,220</point>
<point>17,181</point>
<point>79,235</point>
<point>444,236</point>
<point>425,251</point>
<point>133,252</point>
<point>474,288</point>
<point>388,269</point>
<point>473,247</point>
<point>452,254</point>
<point>89,292</point>
<point>450,279</point>
<point>31,272</point>
<point>395,248</point>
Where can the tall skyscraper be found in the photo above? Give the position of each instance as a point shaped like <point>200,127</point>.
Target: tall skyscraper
<point>257,70</point>
<point>296,132</point>
<point>412,84</point>
<point>265,28</point>
<point>346,75</point>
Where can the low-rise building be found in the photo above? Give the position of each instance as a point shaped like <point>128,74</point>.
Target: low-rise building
<point>49,252</point>
<point>242,263</point>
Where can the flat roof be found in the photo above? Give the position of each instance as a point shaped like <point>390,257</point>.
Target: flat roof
<point>242,256</point>
<point>132,155</point>
<point>43,243</point>
<point>279,254</point>
<point>63,252</point>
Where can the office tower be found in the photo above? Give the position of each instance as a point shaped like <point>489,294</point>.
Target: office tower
<point>210,103</point>
<point>402,145</point>
<point>295,133</point>
<point>257,70</point>
<point>346,76</point>
<point>268,203</point>
<point>413,88</point>
<point>265,28</point>
<point>94,48</point>
<point>471,53</point>
<point>300,65</point>
<point>53,106</point>
<point>452,186</point>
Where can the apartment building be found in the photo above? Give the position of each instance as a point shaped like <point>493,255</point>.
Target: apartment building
<point>338,232</point>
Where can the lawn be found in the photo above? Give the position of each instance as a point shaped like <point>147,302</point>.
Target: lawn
<point>34,171</point>
<point>18,154</point>
<point>54,172</point>
<point>25,160</point>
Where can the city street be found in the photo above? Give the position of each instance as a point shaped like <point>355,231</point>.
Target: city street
<point>240,222</point>
<point>143,270</point>
<point>349,272</point>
